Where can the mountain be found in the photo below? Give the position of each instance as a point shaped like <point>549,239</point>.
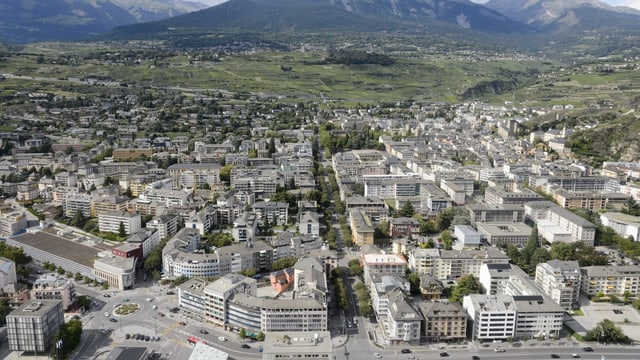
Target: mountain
<point>23,21</point>
<point>554,15</point>
<point>338,15</point>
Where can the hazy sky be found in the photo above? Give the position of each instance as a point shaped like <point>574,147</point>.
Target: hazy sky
<point>630,3</point>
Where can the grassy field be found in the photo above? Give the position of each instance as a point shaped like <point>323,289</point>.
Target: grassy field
<point>261,73</point>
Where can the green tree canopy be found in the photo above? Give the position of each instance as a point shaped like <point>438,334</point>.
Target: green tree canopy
<point>284,263</point>
<point>466,285</point>
<point>607,332</point>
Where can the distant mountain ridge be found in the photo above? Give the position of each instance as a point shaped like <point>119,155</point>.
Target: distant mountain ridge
<point>340,15</point>
<point>550,15</point>
<point>24,21</point>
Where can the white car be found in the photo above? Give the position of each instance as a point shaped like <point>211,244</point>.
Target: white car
<point>155,307</point>
<point>499,350</point>
<point>222,338</point>
<point>377,355</point>
<point>107,314</point>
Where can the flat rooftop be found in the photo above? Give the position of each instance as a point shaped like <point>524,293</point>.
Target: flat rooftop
<point>56,245</point>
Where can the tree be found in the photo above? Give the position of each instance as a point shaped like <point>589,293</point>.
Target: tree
<point>414,283</point>
<point>68,336</point>
<point>407,210</point>
<point>260,336</point>
<point>250,272</point>
<point>180,280</point>
<point>105,285</point>
<point>532,245</point>
<point>447,239</point>
<point>606,332</point>
<point>242,333</point>
<point>284,263</point>
<point>354,267</point>
<point>83,301</point>
<point>121,232</point>
<point>5,309</point>
<point>466,285</point>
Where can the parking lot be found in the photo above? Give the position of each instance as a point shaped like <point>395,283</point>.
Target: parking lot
<point>624,316</point>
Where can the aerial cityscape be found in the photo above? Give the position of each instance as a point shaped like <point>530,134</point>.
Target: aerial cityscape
<point>319,179</point>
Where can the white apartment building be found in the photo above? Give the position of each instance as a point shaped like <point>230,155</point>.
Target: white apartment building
<point>556,224</point>
<point>110,222</point>
<point>452,264</point>
<point>610,280</point>
<point>166,197</point>
<point>493,317</point>
<point>560,280</point>
<point>403,321</point>
<point>218,293</point>
<point>11,221</point>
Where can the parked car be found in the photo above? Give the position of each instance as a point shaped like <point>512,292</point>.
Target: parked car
<point>406,351</point>
<point>575,356</point>
<point>475,357</point>
<point>444,354</point>
<point>555,356</point>
<point>377,355</point>
<point>182,323</point>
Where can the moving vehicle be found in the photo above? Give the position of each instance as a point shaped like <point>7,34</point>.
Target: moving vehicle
<point>444,354</point>
<point>555,356</point>
<point>222,338</point>
<point>377,355</point>
<point>246,346</point>
<point>499,349</point>
<point>203,331</point>
<point>587,348</point>
<point>406,351</point>
<point>575,356</point>
<point>107,314</point>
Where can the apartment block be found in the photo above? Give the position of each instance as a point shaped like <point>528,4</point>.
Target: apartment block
<point>382,263</point>
<point>560,280</point>
<point>502,234</point>
<point>299,345</point>
<point>443,322</point>
<point>623,224</point>
<point>110,222</point>
<point>218,293</point>
<point>362,229</point>
<point>610,280</point>
<point>496,213</point>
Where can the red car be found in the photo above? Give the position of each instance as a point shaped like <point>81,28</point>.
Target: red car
<point>182,323</point>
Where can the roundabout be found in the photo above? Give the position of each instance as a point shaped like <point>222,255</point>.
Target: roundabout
<point>126,309</point>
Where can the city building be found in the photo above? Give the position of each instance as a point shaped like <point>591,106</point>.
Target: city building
<point>51,286</point>
<point>610,280</point>
<point>624,225</point>
<point>361,228</point>
<point>34,324</point>
<point>298,345</point>
<point>467,236</point>
<point>560,280</point>
<point>118,272</point>
<point>112,221</point>
<point>167,225</point>
<point>496,213</point>
<point>191,299</point>
<point>381,263</point>
<point>7,273</point>
<point>404,226</point>
<point>402,321</point>
<point>500,235</point>
<point>443,322</point>
<point>218,293</point>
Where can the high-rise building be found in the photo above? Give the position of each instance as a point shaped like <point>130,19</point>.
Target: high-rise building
<point>33,325</point>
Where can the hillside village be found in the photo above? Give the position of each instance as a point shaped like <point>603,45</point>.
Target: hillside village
<point>461,222</point>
